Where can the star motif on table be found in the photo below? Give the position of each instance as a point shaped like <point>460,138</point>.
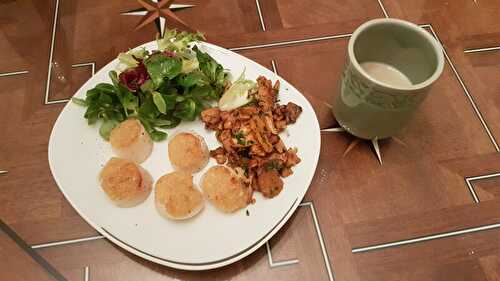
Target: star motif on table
<point>356,140</point>
<point>158,12</point>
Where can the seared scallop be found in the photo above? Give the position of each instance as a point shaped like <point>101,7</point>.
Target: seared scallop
<point>224,189</point>
<point>188,152</point>
<point>176,197</point>
<point>130,140</point>
<point>125,183</point>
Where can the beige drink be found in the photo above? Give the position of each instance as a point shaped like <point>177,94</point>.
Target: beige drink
<point>386,74</point>
<point>369,120</point>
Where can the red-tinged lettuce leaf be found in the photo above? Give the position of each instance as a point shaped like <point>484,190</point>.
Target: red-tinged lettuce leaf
<point>133,78</point>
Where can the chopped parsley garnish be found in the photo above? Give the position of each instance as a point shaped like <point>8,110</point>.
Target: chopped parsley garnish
<point>240,138</point>
<point>273,165</point>
<point>244,166</point>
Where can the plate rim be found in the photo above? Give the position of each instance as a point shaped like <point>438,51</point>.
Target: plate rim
<point>209,265</point>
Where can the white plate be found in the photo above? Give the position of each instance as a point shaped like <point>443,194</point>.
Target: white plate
<point>209,240</point>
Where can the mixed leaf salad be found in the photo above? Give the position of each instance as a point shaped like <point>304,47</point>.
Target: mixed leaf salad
<point>160,88</point>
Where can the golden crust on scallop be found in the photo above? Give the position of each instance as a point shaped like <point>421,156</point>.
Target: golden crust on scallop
<point>130,140</point>
<point>176,197</point>
<point>224,189</point>
<point>125,183</point>
<point>126,133</point>
<point>188,152</point>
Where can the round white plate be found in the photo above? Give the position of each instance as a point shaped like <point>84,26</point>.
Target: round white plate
<point>209,240</point>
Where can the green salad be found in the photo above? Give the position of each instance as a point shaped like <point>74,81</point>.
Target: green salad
<point>160,88</point>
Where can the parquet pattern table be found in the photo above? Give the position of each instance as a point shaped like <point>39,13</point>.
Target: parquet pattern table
<point>430,212</point>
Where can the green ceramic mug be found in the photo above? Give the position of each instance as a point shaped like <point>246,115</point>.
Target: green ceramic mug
<point>391,66</point>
